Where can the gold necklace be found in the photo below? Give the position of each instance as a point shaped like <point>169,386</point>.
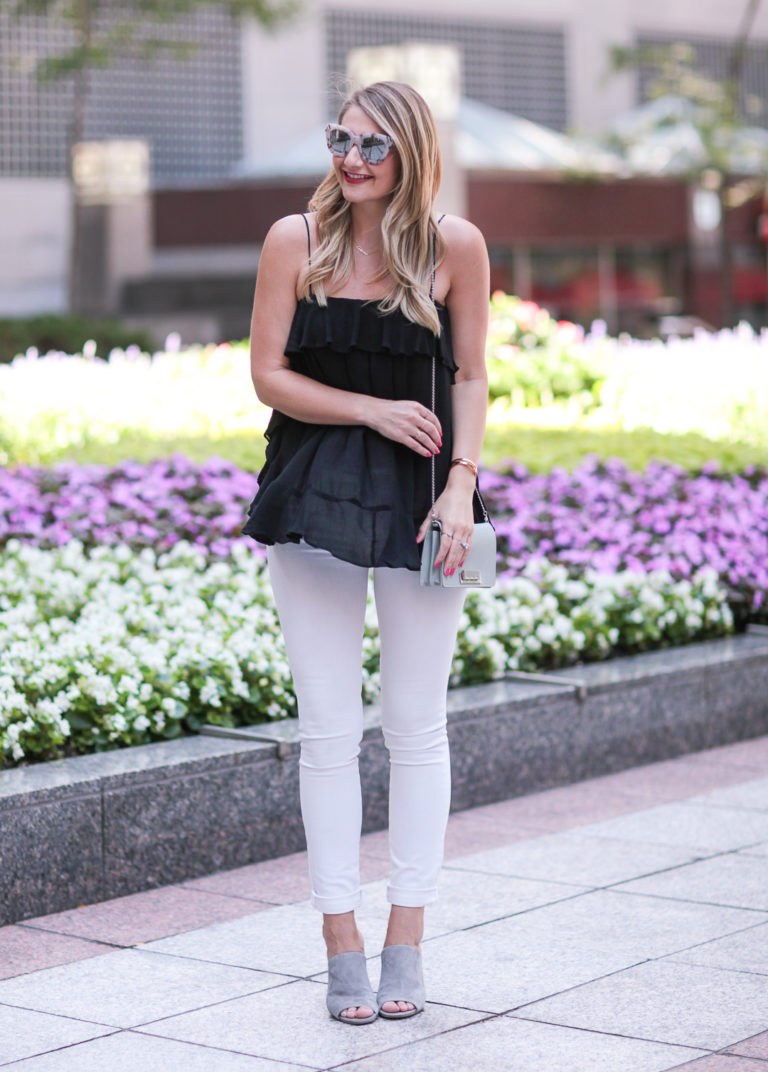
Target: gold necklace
<point>366,252</point>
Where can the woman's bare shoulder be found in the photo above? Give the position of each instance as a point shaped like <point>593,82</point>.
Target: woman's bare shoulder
<point>289,232</point>
<point>460,235</point>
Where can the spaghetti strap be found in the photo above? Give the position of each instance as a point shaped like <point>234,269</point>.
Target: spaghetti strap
<point>309,241</point>
<point>309,246</point>
<point>434,257</point>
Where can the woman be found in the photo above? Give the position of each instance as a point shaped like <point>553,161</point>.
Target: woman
<point>355,303</point>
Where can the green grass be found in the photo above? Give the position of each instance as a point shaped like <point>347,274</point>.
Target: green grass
<point>539,449</point>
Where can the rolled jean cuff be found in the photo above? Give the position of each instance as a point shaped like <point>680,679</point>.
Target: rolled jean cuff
<point>411,898</point>
<point>334,905</point>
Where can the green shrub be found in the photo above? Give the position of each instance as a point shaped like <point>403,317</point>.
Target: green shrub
<point>533,359</point>
<point>67,334</point>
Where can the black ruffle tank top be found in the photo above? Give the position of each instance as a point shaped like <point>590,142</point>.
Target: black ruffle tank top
<point>346,488</point>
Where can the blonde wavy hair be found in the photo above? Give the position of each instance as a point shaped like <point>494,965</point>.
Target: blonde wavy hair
<point>408,228</point>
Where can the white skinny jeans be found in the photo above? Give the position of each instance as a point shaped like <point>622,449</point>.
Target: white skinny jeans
<point>321,604</point>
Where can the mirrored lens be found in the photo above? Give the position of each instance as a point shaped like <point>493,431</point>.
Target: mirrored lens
<point>339,141</point>
<point>373,148</point>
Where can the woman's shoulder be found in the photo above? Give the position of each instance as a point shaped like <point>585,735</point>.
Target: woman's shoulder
<point>290,231</point>
<point>460,235</point>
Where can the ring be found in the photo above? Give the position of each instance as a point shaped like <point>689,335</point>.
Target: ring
<point>448,534</point>
<point>417,435</point>
<point>464,545</point>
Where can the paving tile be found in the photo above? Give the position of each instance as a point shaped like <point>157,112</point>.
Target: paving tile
<point>637,926</point>
<point>719,1062</point>
<point>24,949</point>
<point>466,832</point>
<point>131,987</point>
<point>514,1045</point>
<point>761,849</point>
<point>141,917</point>
<point>287,939</point>
<point>574,857</point>
<point>549,948</point>
<point>752,795</point>
<point>280,881</point>
<point>466,899</point>
<point>664,1001</point>
<point>751,754</point>
<point>500,966</point>
<point>561,808</point>
<point>745,951</point>
<point>665,781</point>
<point>128,1051</point>
<point>691,825</point>
<point>729,879</point>
<point>24,1032</point>
<point>292,1024</point>
<point>755,1046</point>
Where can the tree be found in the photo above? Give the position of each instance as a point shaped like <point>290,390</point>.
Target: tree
<point>106,30</point>
<point>720,113</point>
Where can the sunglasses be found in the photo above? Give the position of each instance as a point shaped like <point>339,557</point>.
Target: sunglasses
<point>373,148</point>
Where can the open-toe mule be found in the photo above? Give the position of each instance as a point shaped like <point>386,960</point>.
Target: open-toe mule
<point>402,979</point>
<point>349,987</point>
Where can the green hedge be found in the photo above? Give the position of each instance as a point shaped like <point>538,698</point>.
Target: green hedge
<point>67,334</point>
<point>539,449</point>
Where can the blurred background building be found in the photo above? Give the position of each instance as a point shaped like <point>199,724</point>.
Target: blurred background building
<point>234,134</point>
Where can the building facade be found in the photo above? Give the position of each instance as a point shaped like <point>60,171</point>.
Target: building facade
<point>245,93</point>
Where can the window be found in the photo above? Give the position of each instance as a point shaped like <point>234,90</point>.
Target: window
<point>188,109</point>
<point>515,66</point>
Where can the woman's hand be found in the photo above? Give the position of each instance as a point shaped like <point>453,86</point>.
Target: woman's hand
<point>454,510</point>
<point>406,422</point>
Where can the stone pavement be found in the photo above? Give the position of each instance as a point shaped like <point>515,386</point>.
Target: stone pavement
<point>615,925</point>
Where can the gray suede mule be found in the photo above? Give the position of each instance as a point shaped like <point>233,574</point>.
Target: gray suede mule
<point>348,987</point>
<point>402,979</point>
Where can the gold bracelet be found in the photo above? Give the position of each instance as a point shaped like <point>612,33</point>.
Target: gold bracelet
<point>466,462</point>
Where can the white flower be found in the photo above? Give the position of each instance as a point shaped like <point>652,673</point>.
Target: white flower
<point>120,637</point>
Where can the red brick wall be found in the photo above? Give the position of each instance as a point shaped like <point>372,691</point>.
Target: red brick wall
<point>545,210</point>
<point>230,216</point>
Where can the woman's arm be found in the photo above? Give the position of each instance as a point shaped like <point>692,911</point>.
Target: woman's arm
<point>282,261</point>
<point>467,299</point>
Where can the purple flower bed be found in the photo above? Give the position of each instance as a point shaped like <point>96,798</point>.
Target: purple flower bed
<point>605,517</point>
<point>154,505</point>
<point>602,516</point>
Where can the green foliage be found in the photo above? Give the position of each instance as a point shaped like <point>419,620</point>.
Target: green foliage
<point>111,648</point>
<point>541,449</point>
<point>103,34</point>
<point>67,334</point>
<point>245,449</point>
<point>716,107</point>
<point>533,359</point>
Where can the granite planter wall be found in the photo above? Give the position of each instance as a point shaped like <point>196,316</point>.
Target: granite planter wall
<point>85,829</point>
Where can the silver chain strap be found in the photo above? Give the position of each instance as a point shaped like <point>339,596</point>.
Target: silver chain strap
<point>434,400</point>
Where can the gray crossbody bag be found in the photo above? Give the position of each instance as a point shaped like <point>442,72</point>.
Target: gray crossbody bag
<point>479,569</point>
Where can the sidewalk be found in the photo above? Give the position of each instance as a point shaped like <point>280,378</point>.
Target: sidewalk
<point>616,925</point>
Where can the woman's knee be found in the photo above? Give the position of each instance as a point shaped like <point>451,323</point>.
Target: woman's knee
<point>415,745</point>
<point>330,751</point>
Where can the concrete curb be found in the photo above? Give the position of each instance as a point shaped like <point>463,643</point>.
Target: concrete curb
<point>81,830</point>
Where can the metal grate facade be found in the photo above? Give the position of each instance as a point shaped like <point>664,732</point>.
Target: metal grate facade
<point>515,66</point>
<point>189,109</point>
<point>712,59</point>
